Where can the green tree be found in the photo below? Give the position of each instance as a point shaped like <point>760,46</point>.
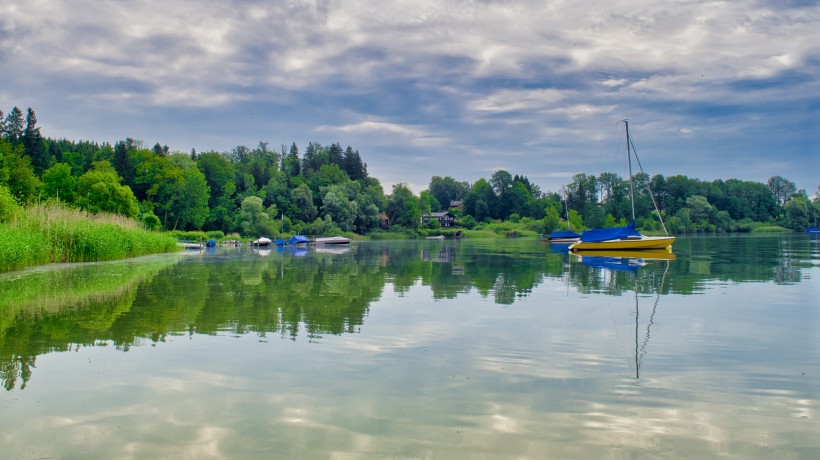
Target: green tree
<point>291,164</point>
<point>99,190</point>
<point>311,161</point>
<point>151,221</point>
<point>34,145</point>
<point>14,125</point>
<point>302,199</point>
<point>254,220</point>
<point>551,220</point>
<point>403,207</point>
<point>582,194</point>
<point>797,211</point>
<point>8,204</point>
<point>339,208</point>
<point>278,193</point>
<point>519,200</point>
<point>220,175</point>
<point>576,221</point>
<point>479,200</point>
<point>192,204</point>
<point>781,188</point>
<point>336,155</point>
<point>353,165</point>
<point>701,212</point>
<point>122,163</point>
<point>58,183</point>
<point>428,203</point>
<point>16,172</point>
<point>446,190</point>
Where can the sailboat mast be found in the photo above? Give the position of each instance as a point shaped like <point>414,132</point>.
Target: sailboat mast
<point>629,160</point>
<point>566,206</point>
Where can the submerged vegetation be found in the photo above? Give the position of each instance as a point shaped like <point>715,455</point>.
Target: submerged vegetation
<point>51,232</point>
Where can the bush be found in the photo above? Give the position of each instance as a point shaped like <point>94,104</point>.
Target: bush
<point>215,235</point>
<point>8,205</point>
<point>467,222</point>
<point>151,221</point>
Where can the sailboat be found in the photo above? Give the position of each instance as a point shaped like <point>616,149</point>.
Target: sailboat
<point>566,236</point>
<point>626,237</point>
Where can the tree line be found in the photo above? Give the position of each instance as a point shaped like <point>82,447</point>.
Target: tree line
<point>327,190</point>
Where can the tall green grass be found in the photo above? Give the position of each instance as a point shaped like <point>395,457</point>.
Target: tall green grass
<point>50,233</point>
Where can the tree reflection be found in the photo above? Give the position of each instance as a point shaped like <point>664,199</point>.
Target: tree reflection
<point>315,294</point>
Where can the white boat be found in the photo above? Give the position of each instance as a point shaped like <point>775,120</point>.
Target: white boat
<point>332,240</point>
<point>626,237</point>
<point>261,242</point>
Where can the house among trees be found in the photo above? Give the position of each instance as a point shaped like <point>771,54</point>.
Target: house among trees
<point>444,218</point>
<point>456,204</point>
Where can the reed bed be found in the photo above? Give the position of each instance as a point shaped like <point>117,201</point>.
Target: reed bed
<point>52,233</point>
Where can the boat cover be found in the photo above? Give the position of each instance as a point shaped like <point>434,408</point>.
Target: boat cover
<point>605,234</point>
<point>564,234</point>
<point>298,239</point>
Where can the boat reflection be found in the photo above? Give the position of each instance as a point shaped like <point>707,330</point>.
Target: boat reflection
<point>296,251</point>
<point>622,260</point>
<point>632,261</point>
<point>646,254</point>
<point>332,249</point>
<point>559,248</point>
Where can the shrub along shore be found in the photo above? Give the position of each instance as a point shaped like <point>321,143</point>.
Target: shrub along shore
<point>52,233</point>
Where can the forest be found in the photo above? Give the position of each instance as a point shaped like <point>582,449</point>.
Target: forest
<point>326,190</point>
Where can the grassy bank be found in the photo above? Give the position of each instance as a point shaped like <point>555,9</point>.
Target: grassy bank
<point>51,233</point>
<point>771,229</point>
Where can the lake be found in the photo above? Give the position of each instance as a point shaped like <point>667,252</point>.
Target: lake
<point>448,349</point>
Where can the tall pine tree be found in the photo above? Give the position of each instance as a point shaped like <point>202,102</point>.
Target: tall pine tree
<point>14,125</point>
<point>122,163</point>
<point>34,145</point>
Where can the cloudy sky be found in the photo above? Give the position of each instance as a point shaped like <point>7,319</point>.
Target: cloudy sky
<point>712,89</point>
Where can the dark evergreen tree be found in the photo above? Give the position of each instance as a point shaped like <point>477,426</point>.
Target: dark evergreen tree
<point>310,162</point>
<point>33,144</point>
<point>336,155</point>
<point>352,164</point>
<point>161,150</point>
<point>122,163</point>
<point>14,125</point>
<point>291,164</point>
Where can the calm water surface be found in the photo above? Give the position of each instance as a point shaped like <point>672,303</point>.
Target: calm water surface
<point>417,350</point>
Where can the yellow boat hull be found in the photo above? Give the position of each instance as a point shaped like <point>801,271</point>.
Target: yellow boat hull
<point>643,243</point>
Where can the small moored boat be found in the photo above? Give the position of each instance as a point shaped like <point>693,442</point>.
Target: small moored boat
<point>620,238</point>
<point>332,240</point>
<point>626,237</point>
<point>565,236</point>
<point>261,242</point>
<point>298,239</point>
